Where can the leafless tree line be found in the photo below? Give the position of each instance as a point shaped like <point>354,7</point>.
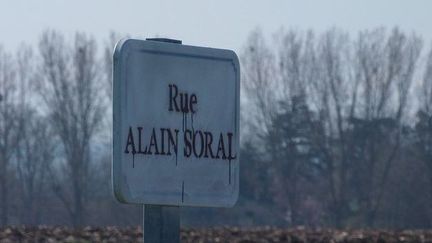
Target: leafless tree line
<point>336,129</point>
<point>337,121</point>
<point>54,101</point>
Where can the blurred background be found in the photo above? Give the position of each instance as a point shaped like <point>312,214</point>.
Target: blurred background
<point>336,109</point>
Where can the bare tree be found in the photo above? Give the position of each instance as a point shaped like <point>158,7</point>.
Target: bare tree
<point>387,66</point>
<point>362,90</point>
<point>423,127</point>
<point>331,86</point>
<point>8,128</point>
<point>425,91</point>
<point>33,161</point>
<point>33,157</point>
<point>276,83</point>
<point>71,91</point>
<point>289,140</point>
<point>259,83</point>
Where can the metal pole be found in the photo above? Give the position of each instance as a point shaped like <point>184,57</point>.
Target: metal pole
<point>161,224</point>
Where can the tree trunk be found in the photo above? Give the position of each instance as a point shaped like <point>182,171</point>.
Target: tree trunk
<point>5,197</point>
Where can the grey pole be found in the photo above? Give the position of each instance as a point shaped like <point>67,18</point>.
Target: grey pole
<point>161,224</point>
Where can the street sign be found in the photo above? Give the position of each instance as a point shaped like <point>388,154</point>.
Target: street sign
<point>175,124</point>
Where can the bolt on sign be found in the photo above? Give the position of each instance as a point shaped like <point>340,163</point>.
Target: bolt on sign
<point>176,124</point>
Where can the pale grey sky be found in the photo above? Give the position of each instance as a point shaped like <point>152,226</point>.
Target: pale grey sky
<point>221,23</point>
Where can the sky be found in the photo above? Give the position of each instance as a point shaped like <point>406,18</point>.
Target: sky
<point>220,24</point>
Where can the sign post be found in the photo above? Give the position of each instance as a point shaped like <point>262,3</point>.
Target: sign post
<point>175,130</point>
<point>161,223</point>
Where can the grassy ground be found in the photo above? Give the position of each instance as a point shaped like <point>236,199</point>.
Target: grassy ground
<point>232,234</point>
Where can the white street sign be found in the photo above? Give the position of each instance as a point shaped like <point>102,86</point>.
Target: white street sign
<point>176,124</point>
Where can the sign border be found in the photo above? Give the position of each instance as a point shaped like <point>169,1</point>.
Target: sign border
<point>121,53</point>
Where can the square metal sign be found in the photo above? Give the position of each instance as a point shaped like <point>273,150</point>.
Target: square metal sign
<point>175,124</point>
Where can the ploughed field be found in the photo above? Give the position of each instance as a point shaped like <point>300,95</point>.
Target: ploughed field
<point>227,234</point>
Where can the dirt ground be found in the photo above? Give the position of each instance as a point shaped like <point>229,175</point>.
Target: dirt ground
<point>232,234</point>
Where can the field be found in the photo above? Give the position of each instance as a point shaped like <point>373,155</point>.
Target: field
<point>233,234</point>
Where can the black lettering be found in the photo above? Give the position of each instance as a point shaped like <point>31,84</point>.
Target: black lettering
<point>230,157</point>
<point>140,141</point>
<point>153,143</point>
<point>171,141</point>
<point>193,101</point>
<point>130,142</point>
<point>173,91</point>
<point>163,141</point>
<point>201,136</point>
<point>221,147</point>
<point>184,106</point>
<point>208,142</point>
<point>188,146</point>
